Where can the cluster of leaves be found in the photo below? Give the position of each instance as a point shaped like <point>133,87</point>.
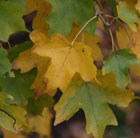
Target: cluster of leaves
<point>63,53</point>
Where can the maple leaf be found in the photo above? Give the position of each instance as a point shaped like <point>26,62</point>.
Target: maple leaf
<point>36,106</point>
<point>5,65</point>
<point>11,18</point>
<point>41,123</point>
<point>128,15</point>
<point>118,62</point>
<point>12,116</point>
<point>18,87</point>
<point>87,39</point>
<point>73,9</point>
<point>28,60</point>
<point>137,6</point>
<point>42,8</point>
<point>93,100</point>
<point>132,41</point>
<point>66,60</point>
<point>9,134</point>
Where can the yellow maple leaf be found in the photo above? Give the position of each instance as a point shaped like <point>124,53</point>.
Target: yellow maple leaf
<point>42,8</point>
<point>87,39</point>
<point>137,6</point>
<point>66,61</point>
<point>41,123</point>
<point>131,4</point>
<point>9,134</point>
<point>130,39</point>
<point>28,60</point>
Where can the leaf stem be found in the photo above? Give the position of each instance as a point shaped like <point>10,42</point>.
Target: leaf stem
<point>91,19</point>
<point>112,40</point>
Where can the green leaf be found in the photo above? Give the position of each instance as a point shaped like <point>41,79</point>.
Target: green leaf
<point>14,52</point>
<point>18,87</point>
<point>92,99</point>
<point>36,106</point>
<point>11,18</point>
<point>127,15</point>
<point>118,62</point>
<point>5,65</point>
<point>112,4</point>
<point>67,12</point>
<point>11,117</point>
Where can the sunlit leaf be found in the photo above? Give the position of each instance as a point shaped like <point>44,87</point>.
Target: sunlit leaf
<point>42,8</point>
<point>66,62</point>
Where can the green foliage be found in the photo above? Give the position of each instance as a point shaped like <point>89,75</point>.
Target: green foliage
<point>5,65</point>
<point>36,106</point>
<point>12,117</point>
<point>70,11</point>
<point>66,53</point>
<point>11,22</point>
<point>18,87</point>
<point>118,62</point>
<point>127,15</point>
<point>92,99</point>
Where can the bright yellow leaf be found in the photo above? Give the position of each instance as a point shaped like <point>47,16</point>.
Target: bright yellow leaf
<point>42,9</point>
<point>89,40</point>
<point>66,61</point>
<point>41,123</point>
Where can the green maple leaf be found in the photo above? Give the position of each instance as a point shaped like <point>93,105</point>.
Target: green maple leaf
<point>11,18</point>
<point>92,99</point>
<point>36,106</point>
<point>127,15</point>
<point>16,50</point>
<point>5,65</point>
<point>12,117</point>
<point>118,62</point>
<point>67,12</point>
<point>18,87</point>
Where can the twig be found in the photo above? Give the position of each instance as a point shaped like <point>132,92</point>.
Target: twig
<point>91,19</point>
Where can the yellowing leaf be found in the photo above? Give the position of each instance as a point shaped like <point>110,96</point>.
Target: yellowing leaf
<point>122,35</point>
<point>128,15</point>
<point>93,100</point>
<point>137,6</point>
<point>87,39</point>
<point>41,123</point>
<point>42,9</point>
<point>66,60</point>
<point>131,40</point>
<point>131,4</point>
<point>8,134</point>
<point>28,60</point>
<point>12,117</point>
